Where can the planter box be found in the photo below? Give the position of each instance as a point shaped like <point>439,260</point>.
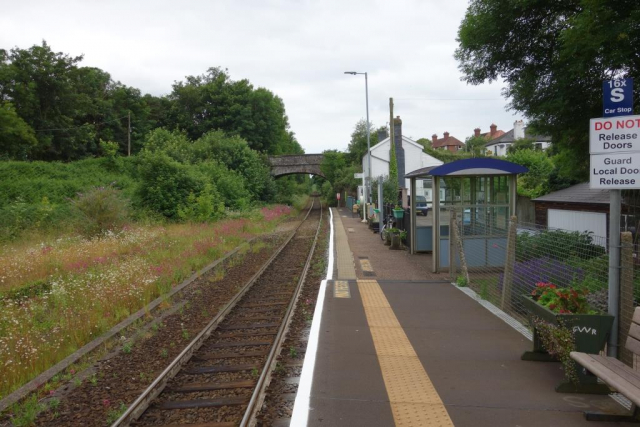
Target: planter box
<point>398,213</point>
<point>590,332</point>
<point>396,242</point>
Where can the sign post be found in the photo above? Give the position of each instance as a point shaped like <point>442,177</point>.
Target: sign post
<point>614,145</point>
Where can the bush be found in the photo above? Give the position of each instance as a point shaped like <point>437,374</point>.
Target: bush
<point>561,245</point>
<point>165,185</point>
<point>546,270</point>
<point>230,184</point>
<point>100,210</point>
<point>207,206</point>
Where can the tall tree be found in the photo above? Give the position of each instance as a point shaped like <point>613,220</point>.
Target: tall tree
<point>553,56</point>
<point>358,143</point>
<point>213,101</point>
<point>17,138</point>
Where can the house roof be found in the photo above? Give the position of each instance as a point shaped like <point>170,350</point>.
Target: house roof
<point>447,141</point>
<point>471,167</point>
<point>508,137</point>
<point>496,134</point>
<point>580,193</point>
<point>404,139</point>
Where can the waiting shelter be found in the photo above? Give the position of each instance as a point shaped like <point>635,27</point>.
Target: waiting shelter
<point>478,196</point>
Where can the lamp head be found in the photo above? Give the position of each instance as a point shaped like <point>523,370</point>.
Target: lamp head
<point>350,72</point>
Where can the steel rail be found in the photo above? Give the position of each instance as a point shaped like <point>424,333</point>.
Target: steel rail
<point>141,404</point>
<point>259,394</point>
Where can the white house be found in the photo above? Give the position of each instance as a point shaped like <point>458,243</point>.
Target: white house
<point>499,146</point>
<point>409,154</point>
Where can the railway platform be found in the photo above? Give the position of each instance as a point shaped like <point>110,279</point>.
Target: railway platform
<point>396,345</point>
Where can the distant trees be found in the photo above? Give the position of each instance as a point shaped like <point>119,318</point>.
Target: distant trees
<point>68,109</point>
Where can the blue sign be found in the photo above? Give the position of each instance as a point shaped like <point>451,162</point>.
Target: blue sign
<point>617,97</point>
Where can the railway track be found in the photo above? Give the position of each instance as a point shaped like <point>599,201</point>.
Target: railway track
<point>220,378</point>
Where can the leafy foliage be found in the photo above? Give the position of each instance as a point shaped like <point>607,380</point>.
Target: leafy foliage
<point>165,184</point>
<point>559,341</point>
<point>99,210</point>
<point>535,182</point>
<point>17,138</point>
<point>553,56</point>
<point>561,300</point>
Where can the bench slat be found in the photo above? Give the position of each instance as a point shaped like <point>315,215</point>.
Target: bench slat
<point>619,368</point>
<point>634,331</point>
<point>636,316</point>
<point>633,345</point>
<point>624,384</point>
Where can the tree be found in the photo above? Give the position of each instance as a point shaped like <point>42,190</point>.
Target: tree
<point>425,142</point>
<point>358,144</point>
<point>521,144</point>
<point>535,182</point>
<point>17,138</point>
<point>213,101</point>
<point>553,56</point>
<point>475,145</point>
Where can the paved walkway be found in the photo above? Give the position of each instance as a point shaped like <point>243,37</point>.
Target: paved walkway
<point>400,346</point>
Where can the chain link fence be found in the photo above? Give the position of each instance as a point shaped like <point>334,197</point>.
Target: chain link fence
<point>503,260</point>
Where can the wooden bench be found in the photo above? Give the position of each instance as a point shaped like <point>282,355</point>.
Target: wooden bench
<point>616,374</point>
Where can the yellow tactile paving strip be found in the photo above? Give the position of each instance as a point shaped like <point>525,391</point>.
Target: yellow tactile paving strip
<point>341,289</point>
<point>414,400</point>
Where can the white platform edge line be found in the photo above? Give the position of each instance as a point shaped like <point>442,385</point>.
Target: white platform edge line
<point>525,332</point>
<point>300,415</point>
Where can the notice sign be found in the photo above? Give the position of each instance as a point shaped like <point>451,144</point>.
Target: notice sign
<point>615,134</point>
<point>617,97</point>
<point>615,171</point>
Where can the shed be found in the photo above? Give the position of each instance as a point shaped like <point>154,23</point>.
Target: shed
<point>482,193</point>
<point>576,208</point>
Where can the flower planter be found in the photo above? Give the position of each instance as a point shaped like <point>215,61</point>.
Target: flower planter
<point>590,332</point>
<point>387,240</point>
<point>396,242</point>
<point>398,213</point>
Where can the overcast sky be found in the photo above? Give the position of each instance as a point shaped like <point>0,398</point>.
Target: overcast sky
<point>297,49</point>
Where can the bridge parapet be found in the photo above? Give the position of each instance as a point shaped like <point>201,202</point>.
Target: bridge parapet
<point>296,164</point>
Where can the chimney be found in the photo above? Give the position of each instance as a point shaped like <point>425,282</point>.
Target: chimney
<point>382,135</point>
<point>476,132</point>
<point>446,135</point>
<point>397,141</point>
<point>518,129</point>
<point>434,138</point>
<point>493,128</point>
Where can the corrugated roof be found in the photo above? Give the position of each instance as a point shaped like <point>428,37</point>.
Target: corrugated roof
<point>580,193</point>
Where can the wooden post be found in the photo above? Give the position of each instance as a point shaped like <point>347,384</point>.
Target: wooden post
<point>452,247</point>
<point>455,235</point>
<point>626,295</point>
<point>509,263</point>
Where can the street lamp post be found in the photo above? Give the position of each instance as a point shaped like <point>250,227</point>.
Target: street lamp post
<point>367,187</point>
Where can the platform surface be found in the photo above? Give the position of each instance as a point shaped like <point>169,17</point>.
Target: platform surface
<point>399,346</point>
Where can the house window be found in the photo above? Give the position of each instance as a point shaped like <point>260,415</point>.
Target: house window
<point>538,145</point>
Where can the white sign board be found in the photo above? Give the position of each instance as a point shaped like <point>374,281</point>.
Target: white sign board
<point>358,175</point>
<point>615,171</point>
<point>614,135</point>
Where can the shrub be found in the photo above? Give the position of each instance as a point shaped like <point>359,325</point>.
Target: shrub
<point>165,184</point>
<point>99,210</point>
<point>207,206</point>
<point>230,184</point>
<point>546,270</point>
<point>557,244</point>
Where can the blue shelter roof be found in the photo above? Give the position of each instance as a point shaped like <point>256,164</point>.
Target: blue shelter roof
<point>471,167</point>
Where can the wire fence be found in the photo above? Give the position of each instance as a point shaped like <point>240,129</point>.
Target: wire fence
<point>503,260</point>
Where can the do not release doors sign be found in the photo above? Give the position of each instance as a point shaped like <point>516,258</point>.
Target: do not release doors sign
<point>614,134</point>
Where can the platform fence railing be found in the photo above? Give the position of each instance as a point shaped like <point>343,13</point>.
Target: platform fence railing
<point>505,266</point>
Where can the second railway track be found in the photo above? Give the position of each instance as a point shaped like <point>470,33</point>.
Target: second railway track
<point>219,380</point>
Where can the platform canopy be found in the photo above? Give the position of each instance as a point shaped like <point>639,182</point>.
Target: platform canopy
<point>470,167</point>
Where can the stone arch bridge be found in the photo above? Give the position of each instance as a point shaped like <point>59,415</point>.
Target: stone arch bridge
<point>296,164</point>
